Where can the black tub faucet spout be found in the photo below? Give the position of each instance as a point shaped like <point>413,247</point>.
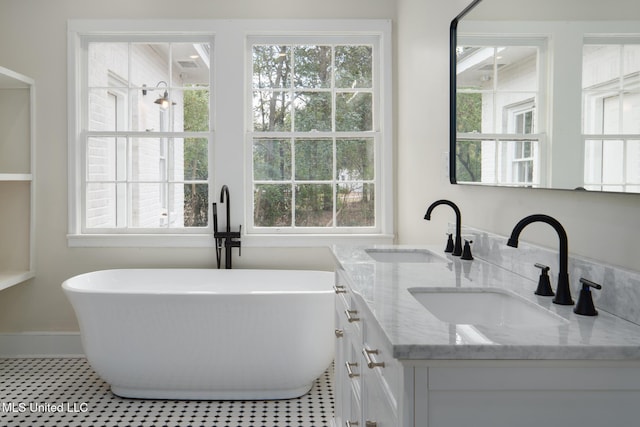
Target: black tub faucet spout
<point>563,291</point>
<point>457,247</point>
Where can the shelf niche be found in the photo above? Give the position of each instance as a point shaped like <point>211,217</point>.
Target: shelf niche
<point>17,172</point>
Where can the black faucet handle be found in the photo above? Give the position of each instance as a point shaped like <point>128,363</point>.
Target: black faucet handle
<point>544,283</point>
<point>449,247</point>
<point>585,305</point>
<point>466,252</point>
<point>544,268</point>
<point>586,284</point>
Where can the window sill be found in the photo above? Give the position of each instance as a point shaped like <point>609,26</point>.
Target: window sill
<point>206,240</point>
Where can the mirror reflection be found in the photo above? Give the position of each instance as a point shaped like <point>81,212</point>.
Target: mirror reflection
<point>547,97</point>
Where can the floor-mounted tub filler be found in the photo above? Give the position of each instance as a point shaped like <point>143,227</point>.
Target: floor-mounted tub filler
<point>206,334</point>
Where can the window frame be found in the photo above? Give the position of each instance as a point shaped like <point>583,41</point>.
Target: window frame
<point>227,153</point>
<point>83,135</point>
<point>375,134</point>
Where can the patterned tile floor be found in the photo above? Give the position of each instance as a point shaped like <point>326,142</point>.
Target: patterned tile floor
<point>32,391</point>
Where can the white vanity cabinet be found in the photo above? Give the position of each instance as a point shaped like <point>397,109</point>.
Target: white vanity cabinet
<point>374,389</point>
<point>368,380</point>
<point>17,95</point>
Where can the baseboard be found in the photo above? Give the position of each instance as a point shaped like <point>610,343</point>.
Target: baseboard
<point>41,344</point>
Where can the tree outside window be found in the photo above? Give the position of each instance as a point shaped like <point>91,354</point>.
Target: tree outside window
<point>313,138</point>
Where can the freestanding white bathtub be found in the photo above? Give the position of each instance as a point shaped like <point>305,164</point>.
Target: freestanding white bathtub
<point>206,334</point>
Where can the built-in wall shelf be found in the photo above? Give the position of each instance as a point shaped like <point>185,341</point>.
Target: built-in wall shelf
<point>9,278</point>
<point>17,176</point>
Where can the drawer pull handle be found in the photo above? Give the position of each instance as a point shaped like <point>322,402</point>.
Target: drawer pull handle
<point>338,289</point>
<point>370,424</point>
<point>339,333</point>
<point>350,372</point>
<point>351,315</point>
<point>370,362</point>
<point>352,423</point>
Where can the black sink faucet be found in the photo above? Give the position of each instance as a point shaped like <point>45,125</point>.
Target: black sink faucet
<point>226,238</point>
<point>563,291</point>
<point>457,248</point>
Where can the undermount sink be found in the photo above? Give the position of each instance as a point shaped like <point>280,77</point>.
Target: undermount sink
<point>484,306</point>
<point>403,255</point>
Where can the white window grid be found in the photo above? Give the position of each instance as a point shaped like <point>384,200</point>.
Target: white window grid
<point>124,141</point>
<point>333,135</point>
<point>624,145</point>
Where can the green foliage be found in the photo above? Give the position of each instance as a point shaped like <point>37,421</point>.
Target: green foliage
<point>196,159</point>
<point>314,205</point>
<point>468,161</point>
<point>272,205</point>
<point>271,159</point>
<point>312,66</point>
<point>292,94</point>
<point>354,111</point>
<point>355,158</point>
<point>271,70</point>
<point>314,159</point>
<point>468,112</point>
<point>468,153</point>
<point>312,111</point>
<point>354,66</point>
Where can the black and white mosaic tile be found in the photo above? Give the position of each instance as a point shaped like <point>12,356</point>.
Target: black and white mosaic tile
<point>66,392</point>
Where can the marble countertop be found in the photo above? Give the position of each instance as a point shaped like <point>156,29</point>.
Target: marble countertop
<point>413,332</point>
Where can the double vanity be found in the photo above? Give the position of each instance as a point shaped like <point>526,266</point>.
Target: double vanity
<point>427,339</point>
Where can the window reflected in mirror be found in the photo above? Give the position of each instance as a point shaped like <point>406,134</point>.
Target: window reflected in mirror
<point>498,103</point>
<point>611,114</point>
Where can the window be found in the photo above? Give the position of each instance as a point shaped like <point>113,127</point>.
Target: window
<point>611,114</point>
<point>157,121</point>
<point>500,110</point>
<point>313,135</point>
<point>520,153</point>
<point>145,134</point>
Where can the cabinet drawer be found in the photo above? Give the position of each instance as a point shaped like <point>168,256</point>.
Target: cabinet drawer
<point>352,367</point>
<point>378,358</point>
<point>348,315</point>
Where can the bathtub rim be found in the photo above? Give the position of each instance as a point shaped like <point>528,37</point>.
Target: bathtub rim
<point>69,285</point>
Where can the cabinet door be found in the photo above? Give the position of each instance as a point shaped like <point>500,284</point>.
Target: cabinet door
<point>353,416</point>
<point>528,396</point>
<point>378,411</point>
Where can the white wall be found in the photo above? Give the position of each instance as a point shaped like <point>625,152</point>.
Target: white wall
<point>33,42</point>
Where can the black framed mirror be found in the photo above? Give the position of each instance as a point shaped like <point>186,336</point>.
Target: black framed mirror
<point>546,95</point>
